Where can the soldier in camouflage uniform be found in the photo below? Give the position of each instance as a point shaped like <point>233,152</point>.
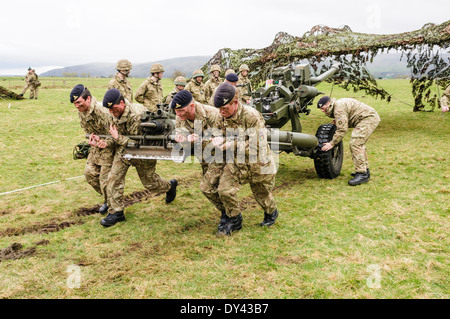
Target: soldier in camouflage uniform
<point>150,93</point>
<point>120,81</point>
<point>180,83</point>
<point>445,99</point>
<point>196,86</point>
<point>35,87</point>
<point>194,122</point>
<point>30,78</point>
<point>213,82</point>
<point>231,78</point>
<point>94,120</point>
<point>350,113</point>
<point>245,158</point>
<point>126,120</point>
<point>244,86</point>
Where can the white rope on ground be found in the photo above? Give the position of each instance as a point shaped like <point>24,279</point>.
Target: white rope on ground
<point>22,189</point>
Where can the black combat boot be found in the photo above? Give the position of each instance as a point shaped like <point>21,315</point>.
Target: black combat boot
<point>112,219</point>
<point>354,173</point>
<point>103,209</point>
<point>172,193</point>
<point>269,219</point>
<point>360,178</point>
<point>223,221</point>
<point>232,224</point>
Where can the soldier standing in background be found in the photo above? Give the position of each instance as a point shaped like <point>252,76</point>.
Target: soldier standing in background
<point>196,86</point>
<point>252,162</point>
<point>445,99</point>
<point>30,78</point>
<point>94,120</point>
<point>180,83</point>
<point>213,82</point>
<point>194,122</point>
<point>150,93</point>
<point>244,85</point>
<point>348,113</point>
<point>120,81</point>
<point>126,120</point>
<point>36,85</point>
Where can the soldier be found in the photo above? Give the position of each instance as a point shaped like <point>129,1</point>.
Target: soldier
<point>231,78</point>
<point>120,81</point>
<point>350,113</point>
<point>196,86</point>
<point>248,159</point>
<point>150,93</point>
<point>194,121</point>
<point>180,83</point>
<point>445,99</point>
<point>244,85</point>
<point>30,78</point>
<point>126,120</point>
<point>213,82</point>
<point>94,120</point>
<point>35,86</point>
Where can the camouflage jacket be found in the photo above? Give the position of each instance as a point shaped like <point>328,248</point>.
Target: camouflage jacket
<point>97,121</point>
<point>124,86</point>
<point>30,78</point>
<point>197,90</point>
<point>248,133</point>
<point>244,92</point>
<point>445,99</point>
<point>150,93</point>
<point>128,124</point>
<point>347,113</point>
<point>210,87</point>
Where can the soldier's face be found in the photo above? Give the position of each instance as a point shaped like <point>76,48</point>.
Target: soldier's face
<point>216,74</point>
<point>180,87</point>
<point>199,79</point>
<point>82,105</point>
<point>244,73</point>
<point>117,109</point>
<point>228,110</point>
<point>186,113</point>
<point>325,107</point>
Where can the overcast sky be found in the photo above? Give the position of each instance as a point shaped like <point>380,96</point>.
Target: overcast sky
<point>44,34</point>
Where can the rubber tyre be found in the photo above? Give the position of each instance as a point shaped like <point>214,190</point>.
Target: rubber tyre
<point>328,164</point>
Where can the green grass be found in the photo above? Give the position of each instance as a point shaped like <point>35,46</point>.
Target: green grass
<point>327,240</point>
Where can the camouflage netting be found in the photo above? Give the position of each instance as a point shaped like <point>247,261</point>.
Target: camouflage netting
<point>7,94</point>
<point>322,45</point>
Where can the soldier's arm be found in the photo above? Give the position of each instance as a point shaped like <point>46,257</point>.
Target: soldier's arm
<point>341,122</point>
<point>139,95</point>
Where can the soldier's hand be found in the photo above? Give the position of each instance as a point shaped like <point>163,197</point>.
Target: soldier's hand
<point>193,138</point>
<point>114,132</point>
<point>93,140</point>
<point>101,144</point>
<point>217,141</point>
<point>179,138</point>
<point>445,109</point>
<point>327,147</point>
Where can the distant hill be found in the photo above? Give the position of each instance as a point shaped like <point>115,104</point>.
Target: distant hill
<point>187,65</point>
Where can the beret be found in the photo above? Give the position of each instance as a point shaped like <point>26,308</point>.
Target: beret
<point>232,77</point>
<point>224,94</point>
<point>323,100</point>
<point>76,92</point>
<point>181,99</point>
<point>111,98</point>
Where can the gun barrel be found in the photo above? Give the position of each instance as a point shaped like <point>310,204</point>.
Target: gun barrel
<point>334,68</point>
<point>284,138</point>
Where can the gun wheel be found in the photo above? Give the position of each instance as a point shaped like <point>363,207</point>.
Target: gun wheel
<point>328,164</point>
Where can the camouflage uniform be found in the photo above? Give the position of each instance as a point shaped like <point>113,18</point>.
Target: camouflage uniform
<point>252,163</point>
<point>197,89</point>
<point>150,93</point>
<point>445,99</point>
<point>207,116</point>
<point>124,86</point>
<point>99,160</point>
<point>243,87</point>
<point>350,113</point>
<point>129,124</point>
<point>30,79</point>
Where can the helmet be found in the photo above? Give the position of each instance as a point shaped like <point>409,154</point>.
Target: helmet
<point>156,68</point>
<point>244,67</point>
<point>124,65</point>
<point>180,80</point>
<point>229,71</point>
<point>215,67</point>
<point>197,72</point>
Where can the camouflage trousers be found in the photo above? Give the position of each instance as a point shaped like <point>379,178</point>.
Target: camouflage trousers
<point>33,90</point>
<point>361,133</point>
<point>147,175</point>
<point>97,176</point>
<point>221,183</point>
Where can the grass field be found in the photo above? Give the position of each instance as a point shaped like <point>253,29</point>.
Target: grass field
<point>385,239</point>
